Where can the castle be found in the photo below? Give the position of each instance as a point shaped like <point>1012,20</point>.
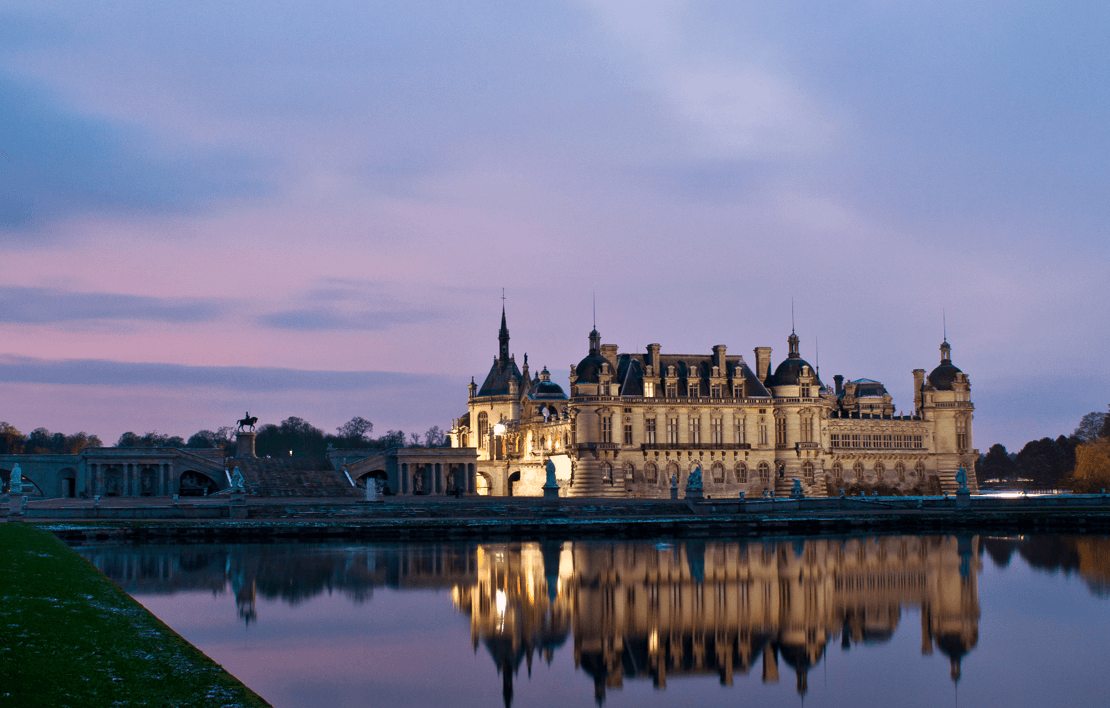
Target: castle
<point>636,424</point>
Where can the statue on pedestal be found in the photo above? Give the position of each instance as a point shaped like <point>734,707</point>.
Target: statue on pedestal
<point>237,480</point>
<point>17,480</point>
<point>551,486</point>
<point>796,491</point>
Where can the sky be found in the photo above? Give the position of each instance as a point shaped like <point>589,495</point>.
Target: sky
<point>312,209</point>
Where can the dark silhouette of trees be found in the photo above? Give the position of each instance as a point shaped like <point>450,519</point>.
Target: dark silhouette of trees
<point>43,442</point>
<point>294,437</point>
<point>997,464</point>
<point>150,439</point>
<point>435,437</point>
<point>218,439</point>
<point>1046,461</point>
<point>353,434</point>
<point>1091,427</point>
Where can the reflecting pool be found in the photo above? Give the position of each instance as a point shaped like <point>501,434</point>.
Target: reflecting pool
<point>864,620</point>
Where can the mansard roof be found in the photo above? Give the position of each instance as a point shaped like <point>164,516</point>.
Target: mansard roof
<point>868,388</point>
<point>692,370</point>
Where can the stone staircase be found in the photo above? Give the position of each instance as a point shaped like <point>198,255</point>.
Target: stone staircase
<point>293,478</point>
<point>589,483</point>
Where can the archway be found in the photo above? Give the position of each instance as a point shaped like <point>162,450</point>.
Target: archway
<point>482,484</point>
<point>194,484</point>
<point>513,478</point>
<point>29,486</point>
<point>113,481</point>
<point>67,480</point>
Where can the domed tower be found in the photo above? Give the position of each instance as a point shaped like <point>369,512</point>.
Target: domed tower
<point>595,421</point>
<point>944,398</point>
<point>799,415</point>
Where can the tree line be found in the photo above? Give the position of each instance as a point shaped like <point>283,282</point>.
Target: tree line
<point>43,442</point>
<point>1078,462</point>
<point>293,437</point>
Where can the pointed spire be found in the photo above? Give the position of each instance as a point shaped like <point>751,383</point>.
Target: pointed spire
<point>793,340</point>
<point>503,335</point>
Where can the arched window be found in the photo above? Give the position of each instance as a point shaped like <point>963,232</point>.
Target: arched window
<point>718,472</point>
<point>838,471</point>
<point>920,469</point>
<point>807,470</point>
<point>629,472</point>
<point>741,472</point>
<point>606,473</point>
<point>858,469</point>
<point>879,470</point>
<point>651,472</point>
<point>900,470</point>
<point>483,429</point>
<point>764,472</point>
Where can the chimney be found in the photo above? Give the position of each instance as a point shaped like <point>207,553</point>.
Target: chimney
<point>609,351</point>
<point>762,363</point>
<point>918,384</point>
<point>653,355</point>
<point>839,384</point>
<point>719,358</point>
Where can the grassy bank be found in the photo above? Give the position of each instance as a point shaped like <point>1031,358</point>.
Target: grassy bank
<point>71,637</point>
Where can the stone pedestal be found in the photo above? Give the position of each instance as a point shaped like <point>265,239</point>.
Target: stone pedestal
<point>16,507</point>
<point>963,499</point>
<point>697,494</point>
<point>238,502</point>
<point>244,444</point>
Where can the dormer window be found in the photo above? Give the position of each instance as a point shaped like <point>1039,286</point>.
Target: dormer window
<point>649,389</point>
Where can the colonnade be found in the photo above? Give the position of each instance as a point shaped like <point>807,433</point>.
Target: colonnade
<point>130,480</point>
<point>429,478</point>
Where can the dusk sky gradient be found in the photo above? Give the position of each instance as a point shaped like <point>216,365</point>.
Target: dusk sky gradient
<point>311,209</point>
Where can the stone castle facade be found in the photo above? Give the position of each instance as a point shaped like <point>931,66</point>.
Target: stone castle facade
<point>634,423</point>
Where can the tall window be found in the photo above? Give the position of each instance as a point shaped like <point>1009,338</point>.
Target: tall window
<point>606,429</point>
<point>649,389</point>
<point>483,429</point>
<point>715,391</point>
<point>741,430</point>
<point>651,472</point>
<point>838,472</point>
<point>900,470</point>
<point>919,470</point>
<point>807,470</point>
<point>628,433</point>
<point>629,472</point>
<point>858,468</point>
<point>649,431</point>
<point>834,440</point>
<point>807,429</point>
<point>961,434</point>
<point>718,472</point>
<point>672,431</point>
<point>741,472</point>
<point>780,431</point>
<point>672,389</point>
<point>764,472</point>
<point>695,430</point>
<point>716,431</point>
<point>879,471</point>
<point>917,442</point>
<point>607,473</point>
<point>762,432</point>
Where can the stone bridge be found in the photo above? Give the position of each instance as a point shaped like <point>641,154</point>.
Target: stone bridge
<point>123,472</point>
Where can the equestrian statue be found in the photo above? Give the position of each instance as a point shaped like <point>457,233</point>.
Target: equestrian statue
<point>247,421</point>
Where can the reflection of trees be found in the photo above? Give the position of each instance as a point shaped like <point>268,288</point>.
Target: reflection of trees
<point>1087,556</point>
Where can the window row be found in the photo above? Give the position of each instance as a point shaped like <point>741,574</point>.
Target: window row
<point>899,471</point>
<point>864,440</point>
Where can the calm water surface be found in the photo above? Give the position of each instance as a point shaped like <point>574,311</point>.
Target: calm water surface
<point>881,620</point>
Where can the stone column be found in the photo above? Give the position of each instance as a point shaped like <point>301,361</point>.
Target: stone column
<point>439,478</point>
<point>404,478</point>
<point>471,478</point>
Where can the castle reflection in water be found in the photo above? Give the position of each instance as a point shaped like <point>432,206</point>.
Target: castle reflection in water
<point>640,610</point>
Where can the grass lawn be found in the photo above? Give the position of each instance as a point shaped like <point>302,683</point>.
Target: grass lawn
<point>71,637</point>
